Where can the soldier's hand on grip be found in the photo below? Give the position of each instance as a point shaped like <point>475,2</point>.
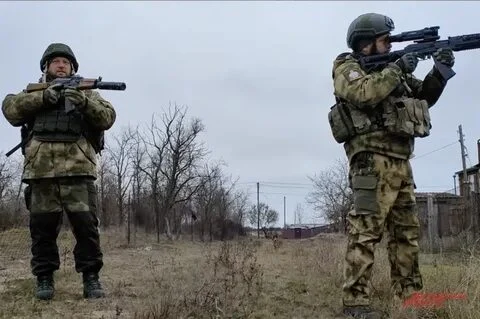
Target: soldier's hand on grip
<point>408,62</point>
<point>75,96</point>
<point>445,56</point>
<point>51,95</point>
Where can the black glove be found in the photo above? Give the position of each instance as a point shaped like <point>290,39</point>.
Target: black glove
<point>76,97</point>
<point>51,95</point>
<point>408,62</point>
<point>445,56</point>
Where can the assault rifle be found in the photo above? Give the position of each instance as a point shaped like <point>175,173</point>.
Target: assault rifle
<point>427,44</point>
<point>76,82</point>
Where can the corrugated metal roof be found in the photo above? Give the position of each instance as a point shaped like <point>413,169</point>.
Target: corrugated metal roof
<point>473,169</point>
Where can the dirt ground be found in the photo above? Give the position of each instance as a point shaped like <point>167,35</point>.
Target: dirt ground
<point>249,278</point>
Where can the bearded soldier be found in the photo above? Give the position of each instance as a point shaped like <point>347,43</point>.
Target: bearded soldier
<point>60,158</point>
<point>377,116</point>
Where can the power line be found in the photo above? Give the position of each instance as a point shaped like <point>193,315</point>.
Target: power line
<point>433,186</point>
<point>436,150</point>
<point>286,183</point>
<point>285,186</point>
<point>270,193</point>
<point>276,183</point>
<point>274,193</point>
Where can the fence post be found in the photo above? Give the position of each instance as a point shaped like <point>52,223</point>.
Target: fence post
<point>432,219</point>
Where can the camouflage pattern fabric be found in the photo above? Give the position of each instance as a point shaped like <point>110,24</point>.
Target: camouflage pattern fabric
<point>369,91</point>
<point>383,199</point>
<point>381,179</point>
<point>46,200</point>
<point>58,159</point>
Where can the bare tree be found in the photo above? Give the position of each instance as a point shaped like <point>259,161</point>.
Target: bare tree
<point>220,207</point>
<point>265,214</point>
<point>299,212</point>
<point>106,189</point>
<point>137,159</point>
<point>332,196</point>
<point>205,197</point>
<point>155,148</point>
<point>224,203</point>
<point>175,164</point>
<point>119,154</point>
<point>12,208</point>
<point>184,154</point>
<point>8,174</point>
<point>240,206</point>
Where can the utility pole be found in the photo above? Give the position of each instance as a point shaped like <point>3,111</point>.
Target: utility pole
<point>465,182</point>
<point>258,209</point>
<point>284,212</point>
<point>455,184</point>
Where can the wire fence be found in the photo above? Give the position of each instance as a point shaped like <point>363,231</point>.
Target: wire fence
<point>448,221</point>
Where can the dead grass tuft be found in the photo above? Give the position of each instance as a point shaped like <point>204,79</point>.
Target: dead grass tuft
<point>250,278</point>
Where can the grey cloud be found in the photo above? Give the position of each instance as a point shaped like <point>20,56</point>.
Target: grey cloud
<point>257,73</point>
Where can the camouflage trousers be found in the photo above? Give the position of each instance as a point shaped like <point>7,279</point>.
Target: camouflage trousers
<point>384,199</point>
<point>47,199</point>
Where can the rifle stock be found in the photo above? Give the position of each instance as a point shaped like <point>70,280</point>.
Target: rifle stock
<point>32,87</point>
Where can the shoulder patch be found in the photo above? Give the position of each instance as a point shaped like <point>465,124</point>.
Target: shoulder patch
<point>352,75</point>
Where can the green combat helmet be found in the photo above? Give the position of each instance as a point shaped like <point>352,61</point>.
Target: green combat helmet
<point>58,49</point>
<point>368,26</point>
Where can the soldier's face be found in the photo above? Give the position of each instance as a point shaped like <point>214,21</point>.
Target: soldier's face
<point>383,44</point>
<point>60,67</point>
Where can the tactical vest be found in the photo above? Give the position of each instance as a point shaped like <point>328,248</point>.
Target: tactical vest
<point>55,125</point>
<point>347,121</point>
<point>403,115</point>
<point>407,116</point>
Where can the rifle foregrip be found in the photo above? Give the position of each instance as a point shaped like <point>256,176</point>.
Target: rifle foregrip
<point>117,86</point>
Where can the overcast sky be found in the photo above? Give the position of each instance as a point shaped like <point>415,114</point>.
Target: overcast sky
<point>258,74</point>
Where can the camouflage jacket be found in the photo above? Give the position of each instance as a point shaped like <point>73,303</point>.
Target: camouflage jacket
<point>369,91</point>
<point>58,159</point>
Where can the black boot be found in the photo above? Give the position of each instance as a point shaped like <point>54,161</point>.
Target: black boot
<point>91,286</point>
<point>362,312</point>
<point>45,287</point>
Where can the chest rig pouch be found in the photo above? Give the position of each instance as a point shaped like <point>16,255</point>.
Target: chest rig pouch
<point>55,125</point>
<point>347,121</point>
<point>406,116</point>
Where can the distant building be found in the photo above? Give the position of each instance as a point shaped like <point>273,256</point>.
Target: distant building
<point>473,177</point>
<point>298,231</point>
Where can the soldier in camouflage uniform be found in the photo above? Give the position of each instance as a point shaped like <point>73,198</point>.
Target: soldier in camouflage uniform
<point>60,168</point>
<point>377,116</point>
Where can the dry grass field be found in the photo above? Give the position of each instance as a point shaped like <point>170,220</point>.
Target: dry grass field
<point>247,278</point>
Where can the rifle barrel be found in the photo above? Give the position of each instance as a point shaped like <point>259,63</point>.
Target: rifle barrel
<point>118,86</point>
